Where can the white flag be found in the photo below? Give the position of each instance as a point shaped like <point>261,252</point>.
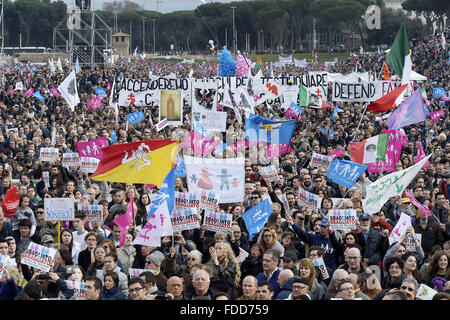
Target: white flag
<point>68,90</point>
<point>77,66</point>
<point>19,86</point>
<point>425,292</point>
<point>59,65</point>
<point>388,186</point>
<point>53,143</point>
<point>159,225</point>
<point>400,228</point>
<point>111,98</point>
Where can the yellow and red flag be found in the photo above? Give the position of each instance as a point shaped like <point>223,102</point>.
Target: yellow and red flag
<point>146,162</point>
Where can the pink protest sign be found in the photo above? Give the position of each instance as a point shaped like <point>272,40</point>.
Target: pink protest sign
<point>29,92</point>
<point>421,154</point>
<point>54,92</point>
<point>397,136</point>
<point>11,91</point>
<point>436,115</point>
<point>419,206</point>
<point>92,148</point>
<point>388,164</point>
<point>95,102</point>
<point>336,154</point>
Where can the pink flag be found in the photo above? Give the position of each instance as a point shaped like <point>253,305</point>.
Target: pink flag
<point>29,92</point>
<point>388,164</point>
<point>421,154</point>
<point>29,79</point>
<point>108,87</point>
<point>199,144</point>
<point>11,91</point>
<point>92,148</point>
<point>276,150</point>
<point>95,102</point>
<point>54,92</point>
<point>435,115</point>
<point>336,154</point>
<point>123,221</point>
<point>419,206</point>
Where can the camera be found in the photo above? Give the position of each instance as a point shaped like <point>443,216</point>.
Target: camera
<point>162,296</point>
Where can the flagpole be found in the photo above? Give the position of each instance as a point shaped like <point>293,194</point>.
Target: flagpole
<point>362,117</point>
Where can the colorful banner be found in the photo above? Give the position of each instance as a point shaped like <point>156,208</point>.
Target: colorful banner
<point>400,228</point>
<point>310,200</point>
<point>185,219</point>
<point>217,222</point>
<point>186,200</point>
<point>70,160</point>
<point>92,148</point>
<point>419,206</point>
<point>134,273</point>
<point>320,161</point>
<point>38,257</point>
<point>88,164</point>
<point>79,288</point>
<point>342,219</point>
<point>209,200</point>
<point>48,154</point>
<point>93,212</point>
<point>269,173</point>
<point>345,172</point>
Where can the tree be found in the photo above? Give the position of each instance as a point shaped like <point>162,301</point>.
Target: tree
<point>432,10</point>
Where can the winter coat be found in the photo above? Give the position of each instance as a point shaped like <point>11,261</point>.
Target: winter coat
<point>123,279</point>
<point>112,294</point>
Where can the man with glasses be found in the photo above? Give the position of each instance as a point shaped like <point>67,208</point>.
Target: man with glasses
<point>175,288</point>
<point>409,287</point>
<point>136,289</point>
<point>338,277</point>
<point>300,288</point>
<point>346,290</point>
<point>256,198</point>
<point>353,261</point>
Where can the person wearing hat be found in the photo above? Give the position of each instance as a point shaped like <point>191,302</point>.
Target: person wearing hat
<point>48,241</point>
<point>300,289</point>
<point>153,262</point>
<point>288,173</point>
<point>371,241</point>
<point>290,261</point>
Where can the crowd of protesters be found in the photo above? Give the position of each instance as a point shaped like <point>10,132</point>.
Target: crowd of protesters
<point>200,264</point>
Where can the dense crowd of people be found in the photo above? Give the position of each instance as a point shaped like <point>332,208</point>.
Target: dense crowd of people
<point>199,264</point>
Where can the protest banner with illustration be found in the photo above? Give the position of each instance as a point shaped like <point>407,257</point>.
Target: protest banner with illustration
<point>310,200</point>
<point>318,262</point>
<point>217,222</point>
<point>171,106</point>
<point>209,200</point>
<point>186,200</point>
<point>342,219</point>
<point>48,154</point>
<point>92,148</point>
<point>204,96</point>
<point>162,124</point>
<point>93,212</point>
<point>134,272</point>
<point>79,288</point>
<point>320,161</point>
<point>88,164</point>
<point>424,292</point>
<point>269,173</point>
<point>38,257</point>
<point>71,159</point>
<point>184,219</point>
<point>212,120</point>
<point>400,228</point>
<point>59,209</point>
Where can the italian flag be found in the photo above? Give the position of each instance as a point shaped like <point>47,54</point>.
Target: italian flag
<point>389,101</point>
<point>309,99</point>
<point>258,63</point>
<point>399,57</point>
<point>369,150</point>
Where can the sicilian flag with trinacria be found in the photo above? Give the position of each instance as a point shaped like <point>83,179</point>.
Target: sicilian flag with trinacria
<point>369,150</point>
<point>146,162</point>
<point>389,101</point>
<point>411,111</point>
<point>309,99</point>
<point>399,56</point>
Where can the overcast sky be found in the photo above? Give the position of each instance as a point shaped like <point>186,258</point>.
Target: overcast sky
<point>165,6</point>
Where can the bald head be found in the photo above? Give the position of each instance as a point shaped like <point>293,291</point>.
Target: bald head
<point>284,276</point>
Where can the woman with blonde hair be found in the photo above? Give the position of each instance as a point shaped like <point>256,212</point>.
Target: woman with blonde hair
<point>308,271</point>
<point>268,240</point>
<point>223,263</point>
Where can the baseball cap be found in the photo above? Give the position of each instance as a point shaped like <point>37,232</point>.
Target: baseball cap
<point>405,200</point>
<point>364,216</point>
<point>301,280</point>
<point>47,238</point>
<point>290,255</point>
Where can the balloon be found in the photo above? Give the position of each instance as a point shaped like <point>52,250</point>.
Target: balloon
<point>227,65</point>
<point>242,65</point>
<point>211,42</point>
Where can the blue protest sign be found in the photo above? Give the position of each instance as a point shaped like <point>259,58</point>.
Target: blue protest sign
<point>438,92</point>
<point>100,91</point>
<point>345,172</point>
<point>39,96</point>
<point>135,117</point>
